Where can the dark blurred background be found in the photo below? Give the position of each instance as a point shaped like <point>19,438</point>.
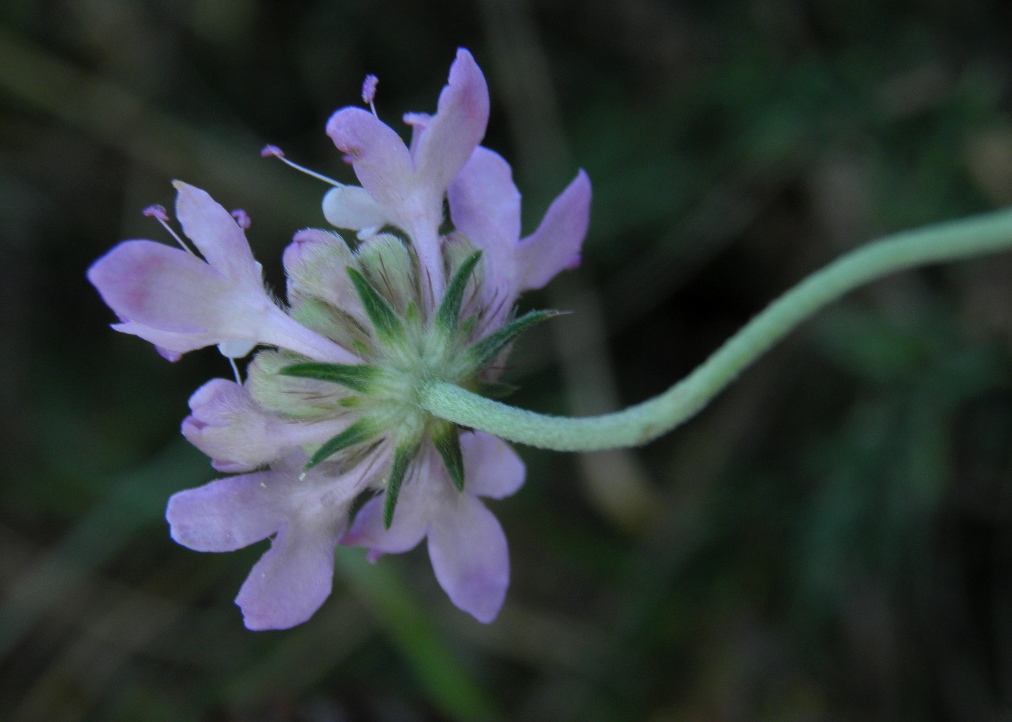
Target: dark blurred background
<point>830,540</point>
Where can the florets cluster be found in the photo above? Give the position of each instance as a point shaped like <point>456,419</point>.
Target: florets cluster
<point>326,437</point>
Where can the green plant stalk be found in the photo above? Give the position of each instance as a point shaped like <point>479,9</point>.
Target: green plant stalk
<point>644,422</point>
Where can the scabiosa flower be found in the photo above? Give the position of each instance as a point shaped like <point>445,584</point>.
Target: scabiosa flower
<point>329,421</point>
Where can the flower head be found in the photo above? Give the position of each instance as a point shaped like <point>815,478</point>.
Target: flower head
<point>333,413</point>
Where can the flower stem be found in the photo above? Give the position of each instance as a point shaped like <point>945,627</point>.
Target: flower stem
<point>644,422</point>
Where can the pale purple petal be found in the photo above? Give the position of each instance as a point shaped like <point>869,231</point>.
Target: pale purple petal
<point>172,344</point>
<point>166,289</point>
<point>162,287</point>
<point>491,467</point>
<point>168,355</point>
<point>216,234</point>
<point>352,207</point>
<point>470,557</point>
<point>229,426</point>
<point>555,245</point>
<point>385,168</point>
<point>236,348</point>
<point>411,521</point>
<point>418,122</point>
<point>379,156</point>
<point>293,579</point>
<point>229,514</point>
<point>457,127</point>
<point>276,328</point>
<point>485,205</point>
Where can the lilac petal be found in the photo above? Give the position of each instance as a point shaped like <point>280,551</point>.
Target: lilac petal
<point>470,557</point>
<point>163,289</point>
<point>216,233</point>
<point>274,327</point>
<point>379,156</point>
<point>168,344</point>
<point>236,348</point>
<point>228,425</point>
<point>491,467</point>
<point>555,245</point>
<point>159,286</point>
<point>418,122</point>
<point>485,206</point>
<point>228,514</point>
<point>411,520</point>
<point>385,168</point>
<point>352,207</point>
<point>170,356</point>
<point>292,580</point>
<point>457,127</point>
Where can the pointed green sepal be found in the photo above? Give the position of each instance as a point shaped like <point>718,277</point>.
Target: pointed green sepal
<point>384,319</point>
<point>358,432</point>
<point>484,352</point>
<point>447,443</point>
<point>411,313</point>
<point>402,459</point>
<point>467,328</point>
<point>357,377</point>
<point>449,310</point>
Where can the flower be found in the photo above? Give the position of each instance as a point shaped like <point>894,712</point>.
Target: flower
<point>181,303</point>
<point>333,413</point>
<point>407,186</point>
<point>304,513</point>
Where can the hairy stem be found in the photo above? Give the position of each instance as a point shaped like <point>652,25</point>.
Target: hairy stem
<point>646,421</point>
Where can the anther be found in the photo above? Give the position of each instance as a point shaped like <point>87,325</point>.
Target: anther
<point>369,91</point>
<point>159,213</point>
<point>269,151</point>
<point>242,218</point>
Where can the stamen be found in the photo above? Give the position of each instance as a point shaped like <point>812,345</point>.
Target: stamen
<point>235,370</point>
<point>159,213</point>
<point>272,150</point>
<point>242,218</point>
<point>369,91</point>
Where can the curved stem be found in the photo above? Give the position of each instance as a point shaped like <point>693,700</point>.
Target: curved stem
<point>646,421</point>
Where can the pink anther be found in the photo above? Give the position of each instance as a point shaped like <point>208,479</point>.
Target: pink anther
<point>242,218</point>
<point>369,88</point>
<point>157,211</point>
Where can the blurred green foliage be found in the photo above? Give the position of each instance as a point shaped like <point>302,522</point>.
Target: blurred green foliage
<point>831,540</point>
